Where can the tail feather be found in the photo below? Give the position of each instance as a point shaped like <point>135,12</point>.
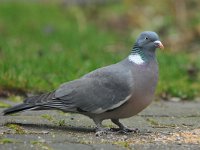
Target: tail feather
<point>34,103</point>
<point>17,108</point>
<point>39,99</point>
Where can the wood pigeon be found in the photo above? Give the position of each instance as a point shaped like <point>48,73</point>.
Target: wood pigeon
<point>116,91</point>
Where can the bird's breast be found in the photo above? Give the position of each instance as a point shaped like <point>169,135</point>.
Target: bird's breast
<point>144,84</point>
<point>143,90</point>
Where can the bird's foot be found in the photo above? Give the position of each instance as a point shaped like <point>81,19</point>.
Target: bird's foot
<point>129,130</point>
<point>125,130</point>
<point>101,131</point>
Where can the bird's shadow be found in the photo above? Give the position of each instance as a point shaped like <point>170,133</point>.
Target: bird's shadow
<point>54,127</point>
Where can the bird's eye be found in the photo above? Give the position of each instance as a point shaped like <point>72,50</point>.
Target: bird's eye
<point>146,38</point>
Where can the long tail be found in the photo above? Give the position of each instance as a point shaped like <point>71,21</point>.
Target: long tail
<point>34,103</point>
<point>17,108</point>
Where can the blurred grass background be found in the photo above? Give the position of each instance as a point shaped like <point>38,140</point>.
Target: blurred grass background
<point>45,43</point>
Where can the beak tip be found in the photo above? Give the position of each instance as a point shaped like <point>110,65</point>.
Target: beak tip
<point>159,44</point>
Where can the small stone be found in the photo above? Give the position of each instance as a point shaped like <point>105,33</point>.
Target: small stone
<point>175,99</point>
<point>45,132</point>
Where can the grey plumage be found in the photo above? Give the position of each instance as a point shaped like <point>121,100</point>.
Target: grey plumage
<point>117,91</point>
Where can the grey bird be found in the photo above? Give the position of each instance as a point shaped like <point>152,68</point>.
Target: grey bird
<point>116,91</point>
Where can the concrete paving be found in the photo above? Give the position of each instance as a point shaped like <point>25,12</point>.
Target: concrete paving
<point>163,125</point>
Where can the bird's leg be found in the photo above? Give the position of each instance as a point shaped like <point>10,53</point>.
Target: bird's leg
<point>100,130</point>
<point>122,128</point>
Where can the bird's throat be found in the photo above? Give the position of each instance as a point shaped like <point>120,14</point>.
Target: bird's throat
<point>137,56</point>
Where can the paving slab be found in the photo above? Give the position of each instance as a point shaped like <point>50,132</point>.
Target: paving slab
<point>163,125</point>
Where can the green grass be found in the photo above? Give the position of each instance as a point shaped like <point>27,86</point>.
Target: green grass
<point>4,105</point>
<point>6,140</point>
<point>18,129</point>
<point>175,79</point>
<point>44,45</point>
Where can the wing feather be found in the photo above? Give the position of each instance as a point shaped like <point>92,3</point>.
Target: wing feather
<point>96,92</point>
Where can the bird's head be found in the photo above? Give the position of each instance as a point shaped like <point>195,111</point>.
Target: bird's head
<point>149,40</point>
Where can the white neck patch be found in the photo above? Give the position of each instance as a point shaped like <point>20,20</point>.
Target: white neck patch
<point>136,58</point>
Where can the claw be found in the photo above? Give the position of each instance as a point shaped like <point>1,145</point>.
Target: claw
<point>101,132</point>
<point>125,130</point>
<point>134,130</point>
